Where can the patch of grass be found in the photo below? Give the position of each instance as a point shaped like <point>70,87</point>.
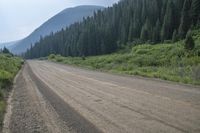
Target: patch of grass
<point>165,61</point>
<point>9,67</point>
<point>2,112</point>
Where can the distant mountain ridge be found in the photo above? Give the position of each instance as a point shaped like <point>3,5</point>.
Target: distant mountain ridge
<point>8,44</point>
<point>54,24</point>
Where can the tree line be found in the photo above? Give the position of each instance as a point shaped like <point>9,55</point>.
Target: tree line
<point>5,51</point>
<point>107,30</point>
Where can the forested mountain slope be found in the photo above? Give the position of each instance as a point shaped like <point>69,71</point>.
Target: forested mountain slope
<point>56,23</point>
<point>136,21</point>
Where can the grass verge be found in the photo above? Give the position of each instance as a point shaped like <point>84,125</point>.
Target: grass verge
<point>9,66</point>
<point>165,61</point>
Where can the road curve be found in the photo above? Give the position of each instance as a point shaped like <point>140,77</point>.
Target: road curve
<point>50,97</point>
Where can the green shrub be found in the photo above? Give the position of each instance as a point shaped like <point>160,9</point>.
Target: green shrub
<point>59,59</point>
<point>52,56</point>
<point>9,67</point>
<point>166,61</point>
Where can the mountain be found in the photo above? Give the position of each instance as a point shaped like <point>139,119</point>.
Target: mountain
<point>128,22</point>
<point>8,44</point>
<point>61,20</point>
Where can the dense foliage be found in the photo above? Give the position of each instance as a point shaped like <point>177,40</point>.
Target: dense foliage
<point>135,21</point>
<point>166,61</point>
<point>9,66</point>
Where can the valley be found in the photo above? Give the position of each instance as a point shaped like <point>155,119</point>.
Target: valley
<point>103,66</point>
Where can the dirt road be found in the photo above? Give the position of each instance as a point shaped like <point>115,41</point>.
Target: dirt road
<point>55,98</point>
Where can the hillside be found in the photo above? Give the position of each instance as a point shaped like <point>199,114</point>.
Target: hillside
<point>165,61</point>
<point>129,21</point>
<point>56,23</point>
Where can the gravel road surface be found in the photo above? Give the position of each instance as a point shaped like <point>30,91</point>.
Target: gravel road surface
<point>55,98</point>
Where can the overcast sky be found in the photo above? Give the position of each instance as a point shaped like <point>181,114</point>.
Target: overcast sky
<point>18,18</point>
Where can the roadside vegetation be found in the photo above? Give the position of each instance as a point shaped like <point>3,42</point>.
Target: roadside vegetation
<point>9,66</point>
<point>179,61</point>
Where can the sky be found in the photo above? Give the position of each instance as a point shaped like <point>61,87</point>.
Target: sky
<point>18,18</point>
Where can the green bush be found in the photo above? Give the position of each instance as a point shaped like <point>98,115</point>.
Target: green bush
<point>52,56</point>
<point>9,67</point>
<point>5,78</point>
<point>166,61</point>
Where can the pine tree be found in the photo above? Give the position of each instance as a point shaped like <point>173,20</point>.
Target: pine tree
<point>144,12</point>
<point>156,33</point>
<point>195,11</point>
<point>163,10</point>
<point>146,30</point>
<point>5,51</point>
<point>123,34</point>
<point>178,8</point>
<point>167,28</point>
<point>130,35</point>
<point>189,42</point>
<point>144,34</point>
<point>175,36</point>
<point>185,19</point>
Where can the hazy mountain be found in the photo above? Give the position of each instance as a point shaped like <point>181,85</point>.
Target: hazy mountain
<point>56,23</point>
<point>8,44</point>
